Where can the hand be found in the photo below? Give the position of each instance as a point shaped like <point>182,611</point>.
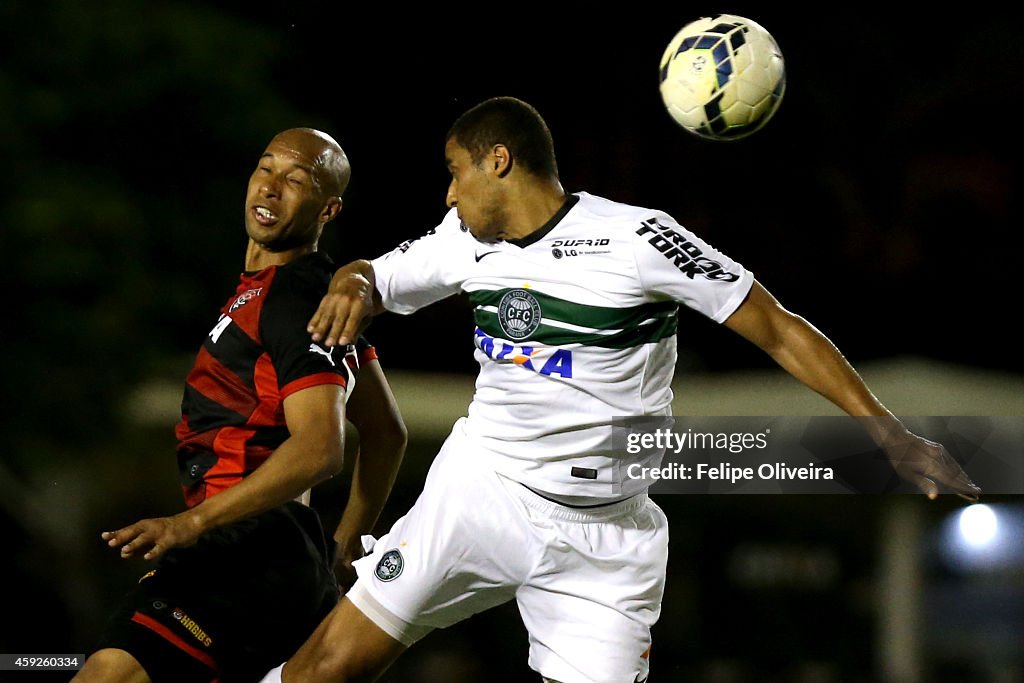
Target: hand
<point>345,573</point>
<point>341,314</point>
<point>927,464</point>
<point>348,552</point>
<point>155,536</point>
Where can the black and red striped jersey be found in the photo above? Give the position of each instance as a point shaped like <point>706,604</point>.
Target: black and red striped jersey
<point>258,353</point>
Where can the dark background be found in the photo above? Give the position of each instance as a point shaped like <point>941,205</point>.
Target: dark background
<point>882,202</point>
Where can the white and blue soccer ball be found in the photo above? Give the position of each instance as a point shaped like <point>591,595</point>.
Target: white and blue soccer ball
<point>722,77</point>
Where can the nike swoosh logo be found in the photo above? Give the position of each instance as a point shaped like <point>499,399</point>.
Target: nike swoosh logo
<point>486,253</point>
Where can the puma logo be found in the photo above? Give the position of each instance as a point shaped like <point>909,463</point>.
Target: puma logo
<point>315,348</point>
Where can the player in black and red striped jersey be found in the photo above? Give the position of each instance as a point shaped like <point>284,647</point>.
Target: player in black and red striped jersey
<point>253,359</point>
<point>247,571</point>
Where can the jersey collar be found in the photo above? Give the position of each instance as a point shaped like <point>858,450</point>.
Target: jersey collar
<point>570,201</point>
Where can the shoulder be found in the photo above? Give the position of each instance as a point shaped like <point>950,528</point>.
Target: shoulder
<point>298,287</point>
<point>306,275</point>
<point>600,207</point>
<point>312,267</point>
<point>625,226</point>
<point>451,227</point>
<point>618,216</point>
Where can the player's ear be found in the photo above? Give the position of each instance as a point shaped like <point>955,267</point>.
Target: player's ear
<point>501,160</point>
<point>331,209</point>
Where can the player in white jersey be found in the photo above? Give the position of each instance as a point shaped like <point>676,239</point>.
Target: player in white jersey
<point>587,305</point>
<point>576,301</point>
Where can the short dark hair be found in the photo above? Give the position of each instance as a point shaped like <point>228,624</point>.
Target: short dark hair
<point>511,122</point>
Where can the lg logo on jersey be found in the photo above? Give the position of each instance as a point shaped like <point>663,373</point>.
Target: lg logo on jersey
<point>560,248</point>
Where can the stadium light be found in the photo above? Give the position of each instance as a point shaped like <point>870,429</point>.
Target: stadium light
<point>984,537</point>
<point>979,526</point>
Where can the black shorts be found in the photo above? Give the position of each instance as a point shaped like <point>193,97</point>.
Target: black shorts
<point>234,605</point>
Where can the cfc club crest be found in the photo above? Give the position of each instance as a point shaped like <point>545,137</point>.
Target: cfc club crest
<point>390,565</point>
<point>518,314</point>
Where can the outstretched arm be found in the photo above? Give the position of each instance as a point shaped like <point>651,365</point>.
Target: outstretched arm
<point>372,410</point>
<point>315,419</point>
<point>810,357</point>
<point>351,298</point>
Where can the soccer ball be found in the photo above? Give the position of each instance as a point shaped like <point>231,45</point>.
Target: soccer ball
<point>722,77</point>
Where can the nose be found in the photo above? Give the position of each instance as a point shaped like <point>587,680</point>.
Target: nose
<point>450,199</point>
<point>269,187</point>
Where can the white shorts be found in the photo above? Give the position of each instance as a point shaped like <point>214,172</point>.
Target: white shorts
<point>588,582</point>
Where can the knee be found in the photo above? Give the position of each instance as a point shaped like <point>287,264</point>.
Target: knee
<point>111,666</point>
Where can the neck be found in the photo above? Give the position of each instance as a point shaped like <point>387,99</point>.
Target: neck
<point>535,205</point>
<point>258,257</point>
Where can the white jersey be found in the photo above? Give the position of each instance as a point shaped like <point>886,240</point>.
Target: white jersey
<point>575,325</point>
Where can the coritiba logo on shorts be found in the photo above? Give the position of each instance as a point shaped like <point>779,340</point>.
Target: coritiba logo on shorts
<point>390,566</point>
<point>518,314</point>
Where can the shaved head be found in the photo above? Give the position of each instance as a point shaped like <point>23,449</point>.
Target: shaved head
<point>294,191</point>
<point>331,169</point>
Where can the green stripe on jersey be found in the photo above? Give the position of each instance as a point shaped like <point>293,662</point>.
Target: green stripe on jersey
<point>581,315</point>
<point>652,330</point>
<point>564,322</point>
